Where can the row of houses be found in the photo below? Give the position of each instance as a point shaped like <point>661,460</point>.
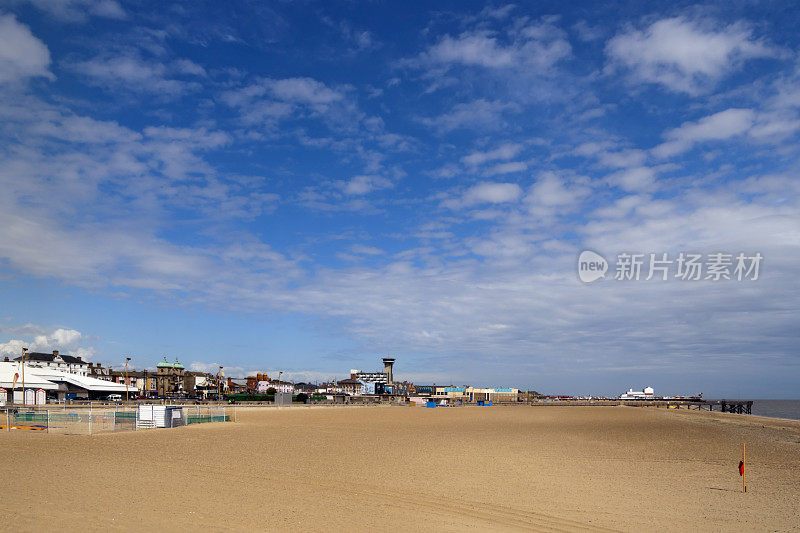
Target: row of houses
<point>366,384</point>
<point>64,377</point>
<point>170,379</point>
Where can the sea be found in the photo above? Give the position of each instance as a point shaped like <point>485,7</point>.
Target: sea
<point>777,408</point>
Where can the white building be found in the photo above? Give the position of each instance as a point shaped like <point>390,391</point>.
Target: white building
<point>644,394</point>
<point>56,383</point>
<point>279,386</point>
<point>56,361</point>
<point>369,377</point>
<point>11,384</point>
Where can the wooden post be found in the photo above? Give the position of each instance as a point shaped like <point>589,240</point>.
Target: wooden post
<point>744,469</point>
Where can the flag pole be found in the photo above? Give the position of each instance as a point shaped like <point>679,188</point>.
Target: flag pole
<point>744,469</point>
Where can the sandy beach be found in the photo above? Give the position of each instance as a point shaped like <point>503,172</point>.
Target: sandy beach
<point>402,468</point>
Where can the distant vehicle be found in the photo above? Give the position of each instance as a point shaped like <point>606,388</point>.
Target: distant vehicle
<point>114,397</point>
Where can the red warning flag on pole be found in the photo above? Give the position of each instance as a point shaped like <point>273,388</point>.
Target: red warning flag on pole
<point>741,469</point>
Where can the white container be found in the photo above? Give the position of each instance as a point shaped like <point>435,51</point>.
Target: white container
<point>161,416</point>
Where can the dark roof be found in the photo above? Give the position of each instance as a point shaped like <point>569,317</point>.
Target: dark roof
<point>349,381</point>
<point>36,356</point>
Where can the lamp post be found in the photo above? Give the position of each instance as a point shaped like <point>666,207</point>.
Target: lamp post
<point>278,391</point>
<point>23,376</point>
<point>126,379</point>
<point>219,385</point>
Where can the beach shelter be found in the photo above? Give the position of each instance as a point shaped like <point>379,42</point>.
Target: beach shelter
<point>33,381</point>
<point>79,386</point>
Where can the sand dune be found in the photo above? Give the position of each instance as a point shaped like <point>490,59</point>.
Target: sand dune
<point>400,468</point>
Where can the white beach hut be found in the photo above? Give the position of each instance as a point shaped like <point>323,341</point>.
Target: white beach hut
<point>161,416</point>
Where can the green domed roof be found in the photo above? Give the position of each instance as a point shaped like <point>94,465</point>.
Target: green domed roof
<point>166,364</point>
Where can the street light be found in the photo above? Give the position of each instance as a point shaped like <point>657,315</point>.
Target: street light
<point>278,392</point>
<point>219,384</point>
<point>23,376</point>
<point>126,379</point>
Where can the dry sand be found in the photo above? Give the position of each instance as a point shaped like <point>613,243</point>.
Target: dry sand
<point>402,468</point>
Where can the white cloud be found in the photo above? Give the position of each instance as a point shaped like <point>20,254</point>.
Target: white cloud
<point>132,73</point>
<point>361,249</point>
<point>719,126</point>
<point>213,368</point>
<point>22,55</point>
<point>286,374</point>
<point>634,179</point>
<point>471,49</point>
<point>536,46</point>
<point>506,168</point>
<point>82,129</point>
<point>79,10</point>
<point>186,66</point>
<point>504,151</point>
<point>360,185</point>
<point>304,91</point>
<point>478,113</point>
<point>622,158</point>
<point>446,171</point>
<point>787,91</point>
<point>774,126</point>
<point>552,194</point>
<point>41,339</point>
<point>486,193</point>
<point>684,55</point>
<point>267,102</point>
<point>588,33</point>
<point>194,137</point>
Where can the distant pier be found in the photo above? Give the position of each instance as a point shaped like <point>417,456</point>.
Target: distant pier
<point>742,407</point>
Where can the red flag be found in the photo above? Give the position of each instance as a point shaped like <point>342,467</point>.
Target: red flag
<point>741,468</point>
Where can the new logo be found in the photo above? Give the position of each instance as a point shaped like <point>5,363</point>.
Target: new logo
<point>591,266</point>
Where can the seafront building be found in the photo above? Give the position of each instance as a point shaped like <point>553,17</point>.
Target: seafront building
<point>494,395</point>
<point>169,377</point>
<point>369,377</point>
<point>43,384</point>
<point>646,393</point>
<point>58,377</point>
<point>56,361</point>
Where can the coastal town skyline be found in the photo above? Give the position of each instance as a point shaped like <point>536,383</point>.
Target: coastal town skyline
<point>304,187</point>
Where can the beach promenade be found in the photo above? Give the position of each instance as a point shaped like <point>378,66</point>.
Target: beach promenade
<point>406,468</point>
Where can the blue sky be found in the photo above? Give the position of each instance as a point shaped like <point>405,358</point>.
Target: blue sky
<point>307,187</point>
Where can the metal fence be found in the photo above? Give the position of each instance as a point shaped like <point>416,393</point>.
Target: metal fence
<point>71,420</point>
